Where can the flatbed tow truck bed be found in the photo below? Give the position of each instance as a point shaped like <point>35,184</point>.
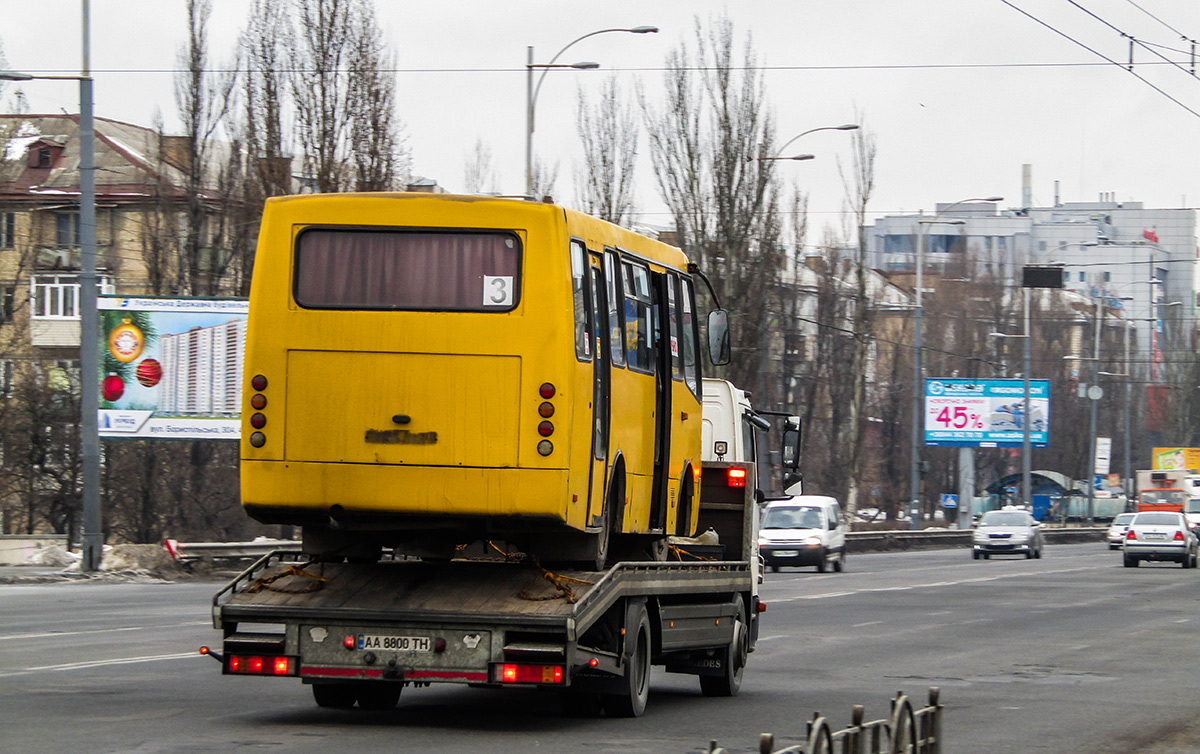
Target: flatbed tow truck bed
<point>492,623</point>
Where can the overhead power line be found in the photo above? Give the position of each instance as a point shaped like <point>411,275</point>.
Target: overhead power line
<point>1099,54</point>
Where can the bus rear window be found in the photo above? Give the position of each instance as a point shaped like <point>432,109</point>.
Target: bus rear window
<point>398,269</point>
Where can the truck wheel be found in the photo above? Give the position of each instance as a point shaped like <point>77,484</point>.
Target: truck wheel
<point>334,695</point>
<point>733,659</point>
<point>821,562</point>
<point>378,697</point>
<point>631,702</point>
<point>839,565</point>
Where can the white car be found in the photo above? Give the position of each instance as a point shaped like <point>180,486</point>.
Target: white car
<point>1160,535</point>
<point>1008,531</point>
<point>803,530</point>
<point>1117,529</point>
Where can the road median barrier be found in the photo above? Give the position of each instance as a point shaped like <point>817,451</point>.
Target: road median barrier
<point>936,539</point>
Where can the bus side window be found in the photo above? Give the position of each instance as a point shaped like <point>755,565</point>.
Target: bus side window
<point>639,327</point>
<point>688,332</point>
<point>583,335</point>
<point>616,330</point>
<point>673,319</point>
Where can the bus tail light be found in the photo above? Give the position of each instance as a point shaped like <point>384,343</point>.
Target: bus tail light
<point>736,478</point>
<point>546,390</point>
<point>545,447</point>
<point>258,401</point>
<point>545,429</point>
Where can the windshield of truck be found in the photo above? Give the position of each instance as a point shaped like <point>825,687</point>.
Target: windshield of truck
<point>1175,497</point>
<point>792,518</point>
<point>388,268</point>
<point>1193,505</point>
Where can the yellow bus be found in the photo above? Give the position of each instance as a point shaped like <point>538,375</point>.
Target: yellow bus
<point>423,371</point>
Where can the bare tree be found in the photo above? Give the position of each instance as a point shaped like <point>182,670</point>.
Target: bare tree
<point>706,142</point>
<point>344,97</point>
<point>262,52</point>
<point>202,98</point>
<point>543,177</point>
<point>377,146</point>
<point>858,181</point>
<point>479,174</point>
<point>609,134</point>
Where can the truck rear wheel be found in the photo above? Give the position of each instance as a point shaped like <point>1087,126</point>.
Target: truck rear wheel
<point>732,658</point>
<point>334,695</point>
<point>631,702</point>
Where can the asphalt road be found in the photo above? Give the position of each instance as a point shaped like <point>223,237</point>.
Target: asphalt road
<point>1072,652</point>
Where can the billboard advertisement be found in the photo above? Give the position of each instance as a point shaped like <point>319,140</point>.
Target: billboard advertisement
<point>171,367</point>
<point>1176,458</point>
<point>986,413</point>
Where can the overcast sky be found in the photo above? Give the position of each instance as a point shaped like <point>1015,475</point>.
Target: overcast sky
<point>957,93</point>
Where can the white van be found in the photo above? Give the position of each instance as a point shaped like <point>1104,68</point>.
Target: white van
<point>803,530</point>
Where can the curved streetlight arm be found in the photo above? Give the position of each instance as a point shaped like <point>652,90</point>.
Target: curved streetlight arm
<point>531,91</point>
<point>538,87</point>
<point>843,127</point>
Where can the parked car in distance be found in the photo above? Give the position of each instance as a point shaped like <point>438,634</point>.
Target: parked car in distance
<point>1008,531</point>
<point>803,530</point>
<point>1117,529</point>
<point>1160,535</point>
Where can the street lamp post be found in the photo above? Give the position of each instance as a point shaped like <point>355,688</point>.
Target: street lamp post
<point>531,91</point>
<point>918,393</point>
<point>1026,414</point>
<point>89,396</point>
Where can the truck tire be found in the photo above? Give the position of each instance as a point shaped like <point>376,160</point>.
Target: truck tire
<point>733,659</point>
<point>631,702</point>
<point>822,561</point>
<point>334,695</point>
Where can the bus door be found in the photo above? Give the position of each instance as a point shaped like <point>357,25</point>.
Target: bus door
<point>662,401</point>
<point>598,303</point>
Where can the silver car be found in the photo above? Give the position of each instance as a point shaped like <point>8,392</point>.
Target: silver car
<point>1009,531</point>
<point>1160,535</point>
<point>1117,529</point>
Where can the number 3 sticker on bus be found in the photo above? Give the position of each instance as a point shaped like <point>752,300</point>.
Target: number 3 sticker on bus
<point>497,290</point>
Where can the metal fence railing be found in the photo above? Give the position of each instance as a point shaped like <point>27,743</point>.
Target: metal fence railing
<point>905,731</point>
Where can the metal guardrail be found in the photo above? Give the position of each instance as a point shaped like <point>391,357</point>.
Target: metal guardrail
<point>881,541</point>
<point>182,552</point>
<point>908,730</point>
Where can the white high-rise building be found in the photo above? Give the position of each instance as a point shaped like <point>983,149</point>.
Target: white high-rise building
<point>202,370</point>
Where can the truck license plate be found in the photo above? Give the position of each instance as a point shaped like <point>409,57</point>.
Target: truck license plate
<point>394,643</point>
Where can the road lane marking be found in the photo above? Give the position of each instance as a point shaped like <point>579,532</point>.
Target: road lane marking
<point>933,584</point>
<point>55,634</point>
<point>98,664</point>
<point>868,623</point>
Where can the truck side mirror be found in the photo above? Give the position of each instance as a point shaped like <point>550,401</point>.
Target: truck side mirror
<point>718,337</point>
<point>790,452</point>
